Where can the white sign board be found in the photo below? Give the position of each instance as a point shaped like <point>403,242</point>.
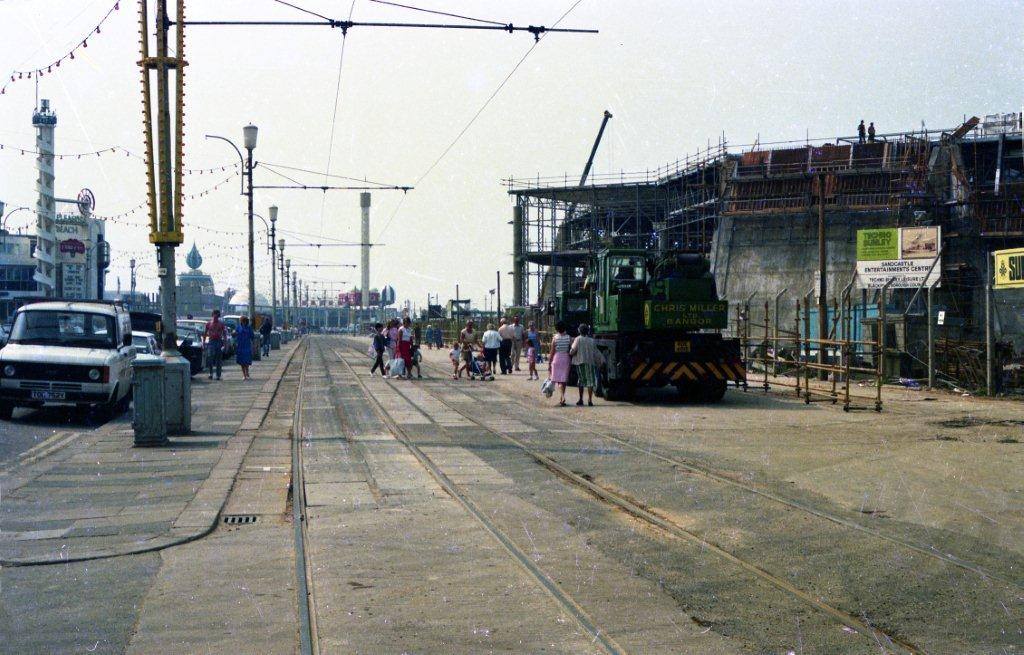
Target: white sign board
<point>74,281</point>
<point>908,256</point>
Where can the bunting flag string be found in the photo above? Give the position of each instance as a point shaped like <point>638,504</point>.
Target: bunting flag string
<point>121,218</point>
<point>49,68</point>
<point>114,150</point>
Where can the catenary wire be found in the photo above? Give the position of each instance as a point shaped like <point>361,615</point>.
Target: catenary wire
<point>438,13</point>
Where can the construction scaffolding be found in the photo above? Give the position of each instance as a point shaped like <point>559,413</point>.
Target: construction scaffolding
<point>556,222</point>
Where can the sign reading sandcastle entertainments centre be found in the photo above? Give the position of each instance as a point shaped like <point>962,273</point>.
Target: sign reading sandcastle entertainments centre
<point>909,256</point>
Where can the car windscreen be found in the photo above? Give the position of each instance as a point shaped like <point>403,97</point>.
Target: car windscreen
<point>60,328</point>
<point>141,342</point>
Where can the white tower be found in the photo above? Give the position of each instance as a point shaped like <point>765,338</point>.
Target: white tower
<point>45,121</point>
<point>364,203</point>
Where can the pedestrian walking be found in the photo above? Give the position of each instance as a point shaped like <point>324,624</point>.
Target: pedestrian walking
<point>507,334</point>
<point>405,340</point>
<point>213,340</point>
<point>558,366</point>
<point>393,338</point>
<point>518,340</point>
<point>378,349</point>
<point>467,341</point>
<point>266,328</point>
<point>244,338</point>
<point>871,132</point>
<point>430,336</point>
<point>492,344</point>
<point>533,339</point>
<point>860,131</point>
<point>588,360</point>
<point>531,361</point>
<point>455,355</point>
<point>416,358</point>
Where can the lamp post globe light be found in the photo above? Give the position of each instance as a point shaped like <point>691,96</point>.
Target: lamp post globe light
<point>273,253</point>
<point>249,133</point>
<point>284,285</point>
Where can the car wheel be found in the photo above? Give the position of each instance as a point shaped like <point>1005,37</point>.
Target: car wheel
<point>6,411</point>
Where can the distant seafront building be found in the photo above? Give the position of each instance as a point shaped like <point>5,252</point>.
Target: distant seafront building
<point>196,293</point>
<point>17,270</point>
<point>45,122</point>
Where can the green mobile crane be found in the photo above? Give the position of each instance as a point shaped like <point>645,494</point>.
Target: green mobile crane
<point>656,318</point>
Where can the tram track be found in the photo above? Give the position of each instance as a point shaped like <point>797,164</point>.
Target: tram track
<point>652,518</point>
<point>724,478</point>
<point>309,642</point>
<point>565,601</point>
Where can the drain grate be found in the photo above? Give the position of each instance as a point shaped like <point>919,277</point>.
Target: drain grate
<point>239,519</point>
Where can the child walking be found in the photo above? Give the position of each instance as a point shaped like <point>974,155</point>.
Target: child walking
<point>456,356</point>
<point>531,359</point>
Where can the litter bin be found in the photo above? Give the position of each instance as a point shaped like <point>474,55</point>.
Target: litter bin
<point>149,419</point>
<point>257,347</point>
<point>275,340</point>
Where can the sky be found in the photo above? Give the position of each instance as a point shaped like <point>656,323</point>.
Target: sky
<point>675,74</point>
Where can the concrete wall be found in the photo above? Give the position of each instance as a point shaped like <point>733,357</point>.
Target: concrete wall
<point>765,254</point>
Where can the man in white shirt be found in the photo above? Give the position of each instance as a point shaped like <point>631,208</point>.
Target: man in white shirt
<point>518,340</point>
<point>507,334</point>
<point>492,343</point>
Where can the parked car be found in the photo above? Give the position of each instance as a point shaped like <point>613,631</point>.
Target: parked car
<point>190,345</point>
<point>145,343</point>
<point>67,353</point>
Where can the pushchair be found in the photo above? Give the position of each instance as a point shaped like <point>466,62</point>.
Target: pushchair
<point>477,368</point>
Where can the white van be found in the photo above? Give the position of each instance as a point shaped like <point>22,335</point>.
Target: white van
<point>67,353</point>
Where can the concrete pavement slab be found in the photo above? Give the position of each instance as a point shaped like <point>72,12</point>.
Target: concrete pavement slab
<point>192,476</point>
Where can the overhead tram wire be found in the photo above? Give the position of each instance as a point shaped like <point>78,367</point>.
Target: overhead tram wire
<point>312,172</point>
<point>379,185</point>
<point>302,9</point>
<point>438,13</point>
<point>334,114</point>
<point>480,111</point>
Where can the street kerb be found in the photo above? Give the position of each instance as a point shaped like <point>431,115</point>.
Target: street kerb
<point>202,513</point>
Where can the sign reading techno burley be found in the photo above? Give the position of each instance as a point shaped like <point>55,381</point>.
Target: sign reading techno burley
<point>1009,268</point>
<point>906,255</point>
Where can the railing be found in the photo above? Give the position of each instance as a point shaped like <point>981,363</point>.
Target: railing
<point>783,353</point>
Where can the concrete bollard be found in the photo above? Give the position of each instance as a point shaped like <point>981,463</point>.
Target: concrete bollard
<point>178,395</point>
<point>149,419</point>
<point>275,341</point>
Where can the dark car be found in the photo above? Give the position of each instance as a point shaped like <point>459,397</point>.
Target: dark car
<point>190,347</point>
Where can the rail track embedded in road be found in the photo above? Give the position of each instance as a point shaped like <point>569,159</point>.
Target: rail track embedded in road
<point>725,479</point>
<point>566,602</point>
<point>306,601</point>
<point>617,500</point>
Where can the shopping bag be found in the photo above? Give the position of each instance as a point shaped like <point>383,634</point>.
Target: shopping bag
<point>547,388</point>
<point>397,366</point>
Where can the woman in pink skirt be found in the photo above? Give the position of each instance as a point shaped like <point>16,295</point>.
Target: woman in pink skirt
<point>560,361</point>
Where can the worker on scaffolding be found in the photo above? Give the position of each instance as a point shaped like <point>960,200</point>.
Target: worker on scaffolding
<point>871,132</point>
<point>860,131</point>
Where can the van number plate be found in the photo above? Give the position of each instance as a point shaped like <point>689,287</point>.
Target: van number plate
<point>47,395</point>
<point>682,346</point>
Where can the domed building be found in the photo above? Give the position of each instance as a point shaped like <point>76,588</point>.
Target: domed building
<point>196,293</point>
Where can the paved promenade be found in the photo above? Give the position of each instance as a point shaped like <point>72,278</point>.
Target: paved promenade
<point>91,494</point>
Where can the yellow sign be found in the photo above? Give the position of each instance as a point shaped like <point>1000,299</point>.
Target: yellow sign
<point>1009,267</point>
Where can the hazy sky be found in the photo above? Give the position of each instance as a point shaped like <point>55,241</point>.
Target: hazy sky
<point>675,74</point>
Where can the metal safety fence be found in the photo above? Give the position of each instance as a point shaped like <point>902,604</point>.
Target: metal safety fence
<point>786,352</point>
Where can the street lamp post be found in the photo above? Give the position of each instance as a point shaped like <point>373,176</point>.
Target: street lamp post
<point>249,133</point>
<point>284,283</point>
<point>289,301</point>
<point>273,252</point>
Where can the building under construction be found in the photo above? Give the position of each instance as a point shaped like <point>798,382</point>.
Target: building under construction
<point>755,213</point>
